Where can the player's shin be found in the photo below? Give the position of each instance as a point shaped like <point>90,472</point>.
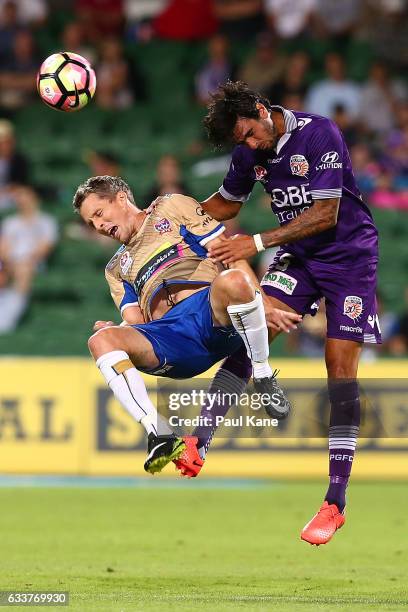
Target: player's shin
<point>343,433</point>
<point>250,322</point>
<point>129,389</point>
<point>229,382</point>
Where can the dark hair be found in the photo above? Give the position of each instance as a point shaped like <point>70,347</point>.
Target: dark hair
<point>103,186</point>
<point>230,102</point>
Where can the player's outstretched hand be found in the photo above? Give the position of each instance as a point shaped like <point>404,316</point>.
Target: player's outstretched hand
<point>281,320</point>
<point>102,324</point>
<point>232,249</point>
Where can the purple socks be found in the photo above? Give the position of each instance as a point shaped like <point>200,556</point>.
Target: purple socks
<point>232,377</point>
<point>343,433</point>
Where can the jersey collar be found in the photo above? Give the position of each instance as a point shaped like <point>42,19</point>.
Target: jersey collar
<point>139,232</point>
<point>290,125</point>
<point>288,116</point>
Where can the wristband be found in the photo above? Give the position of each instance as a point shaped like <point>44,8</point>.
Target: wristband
<point>258,243</point>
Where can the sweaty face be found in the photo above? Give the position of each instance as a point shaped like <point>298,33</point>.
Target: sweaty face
<point>256,133</point>
<point>109,216</point>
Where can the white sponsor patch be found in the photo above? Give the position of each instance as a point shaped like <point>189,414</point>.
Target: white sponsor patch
<point>281,281</point>
<point>353,307</point>
<point>125,262</point>
<point>330,157</point>
<point>293,196</point>
<point>330,161</point>
<point>299,165</point>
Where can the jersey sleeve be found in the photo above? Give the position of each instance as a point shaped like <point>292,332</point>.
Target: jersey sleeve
<point>122,292</point>
<point>240,179</point>
<point>196,226</point>
<point>325,157</point>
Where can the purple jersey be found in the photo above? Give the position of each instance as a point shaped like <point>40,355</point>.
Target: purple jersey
<point>311,162</point>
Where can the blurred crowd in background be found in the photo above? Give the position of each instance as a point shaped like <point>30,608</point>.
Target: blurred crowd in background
<point>368,100</point>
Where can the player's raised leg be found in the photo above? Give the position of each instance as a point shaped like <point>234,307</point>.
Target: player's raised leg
<point>235,300</point>
<point>117,351</point>
<point>342,362</point>
<point>229,382</point>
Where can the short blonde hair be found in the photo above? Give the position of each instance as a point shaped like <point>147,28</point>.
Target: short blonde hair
<point>103,186</point>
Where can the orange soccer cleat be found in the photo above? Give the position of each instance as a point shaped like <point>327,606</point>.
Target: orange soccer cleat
<point>189,463</point>
<point>323,525</point>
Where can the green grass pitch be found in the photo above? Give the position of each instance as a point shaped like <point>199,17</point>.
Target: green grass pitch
<point>205,549</point>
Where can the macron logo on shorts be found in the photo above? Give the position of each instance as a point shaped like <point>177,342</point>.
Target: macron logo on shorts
<point>348,328</point>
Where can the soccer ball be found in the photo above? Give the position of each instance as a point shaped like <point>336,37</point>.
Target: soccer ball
<point>66,81</point>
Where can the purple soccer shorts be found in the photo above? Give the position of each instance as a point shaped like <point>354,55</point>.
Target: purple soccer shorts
<point>349,292</point>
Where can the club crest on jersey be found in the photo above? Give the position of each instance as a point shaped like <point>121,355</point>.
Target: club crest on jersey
<point>353,307</point>
<point>112,262</point>
<point>260,173</point>
<point>299,165</point>
<point>125,262</point>
<point>162,226</point>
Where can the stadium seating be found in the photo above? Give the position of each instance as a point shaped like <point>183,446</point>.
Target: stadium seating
<point>72,293</point>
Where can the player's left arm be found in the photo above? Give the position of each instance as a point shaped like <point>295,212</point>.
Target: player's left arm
<point>326,182</point>
<point>319,218</point>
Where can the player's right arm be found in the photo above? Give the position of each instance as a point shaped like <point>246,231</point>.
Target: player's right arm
<point>234,191</point>
<point>133,316</point>
<point>219,208</point>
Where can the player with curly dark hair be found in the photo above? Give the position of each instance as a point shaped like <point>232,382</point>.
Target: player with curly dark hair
<point>232,101</point>
<point>328,248</point>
